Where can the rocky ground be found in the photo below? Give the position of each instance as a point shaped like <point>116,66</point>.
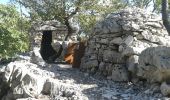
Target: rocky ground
<point>96,87</point>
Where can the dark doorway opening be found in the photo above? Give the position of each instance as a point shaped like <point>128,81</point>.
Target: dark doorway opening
<point>46,49</point>
<point>73,55</point>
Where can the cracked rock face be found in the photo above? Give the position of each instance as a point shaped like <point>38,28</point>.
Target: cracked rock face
<point>119,39</point>
<point>22,79</point>
<point>154,64</point>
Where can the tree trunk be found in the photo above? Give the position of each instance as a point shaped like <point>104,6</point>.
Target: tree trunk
<point>165,15</point>
<point>69,28</point>
<point>70,31</point>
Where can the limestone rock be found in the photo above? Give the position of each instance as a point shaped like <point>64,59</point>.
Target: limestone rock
<point>165,89</point>
<point>156,25</point>
<point>120,38</point>
<point>56,88</point>
<point>118,41</point>
<point>132,63</point>
<point>154,64</point>
<point>126,27</point>
<point>129,40</point>
<point>25,80</point>
<point>119,73</point>
<point>128,51</point>
<point>36,57</point>
<point>91,64</point>
<point>112,56</point>
<point>135,26</point>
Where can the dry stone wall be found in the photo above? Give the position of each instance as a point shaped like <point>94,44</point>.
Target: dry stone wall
<point>116,42</point>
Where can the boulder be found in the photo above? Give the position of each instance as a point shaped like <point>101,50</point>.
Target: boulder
<point>165,89</point>
<point>57,89</point>
<point>154,64</point>
<point>24,79</point>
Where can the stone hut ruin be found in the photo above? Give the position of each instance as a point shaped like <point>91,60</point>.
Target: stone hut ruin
<point>49,36</point>
<point>58,31</point>
<point>45,37</point>
<point>117,41</point>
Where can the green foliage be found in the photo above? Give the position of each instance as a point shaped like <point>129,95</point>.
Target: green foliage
<point>157,6</point>
<point>60,9</point>
<point>147,3</point>
<point>141,3</point>
<point>87,22</point>
<point>13,36</point>
<point>49,9</point>
<point>96,10</point>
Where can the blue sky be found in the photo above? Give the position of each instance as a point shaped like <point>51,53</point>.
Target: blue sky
<point>23,9</point>
<point>4,1</point>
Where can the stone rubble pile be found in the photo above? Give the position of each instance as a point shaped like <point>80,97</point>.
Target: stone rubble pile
<point>117,41</point>
<point>21,80</point>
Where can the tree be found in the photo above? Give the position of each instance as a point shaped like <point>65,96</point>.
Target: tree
<point>64,10</point>
<point>157,6</point>
<point>93,11</point>
<point>140,3</point>
<point>13,39</point>
<point>165,15</point>
<point>61,10</point>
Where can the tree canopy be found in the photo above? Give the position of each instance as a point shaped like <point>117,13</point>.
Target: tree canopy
<point>85,11</point>
<point>12,31</point>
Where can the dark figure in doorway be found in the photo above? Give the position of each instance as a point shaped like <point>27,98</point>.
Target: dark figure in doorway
<point>46,49</point>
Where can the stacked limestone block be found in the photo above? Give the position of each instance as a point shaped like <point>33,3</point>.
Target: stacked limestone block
<point>117,41</point>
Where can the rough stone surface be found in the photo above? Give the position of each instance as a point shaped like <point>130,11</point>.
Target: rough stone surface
<point>61,82</point>
<point>49,25</point>
<point>119,39</point>
<point>132,63</point>
<point>119,73</point>
<point>26,80</point>
<point>165,89</point>
<point>36,57</point>
<point>154,64</point>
